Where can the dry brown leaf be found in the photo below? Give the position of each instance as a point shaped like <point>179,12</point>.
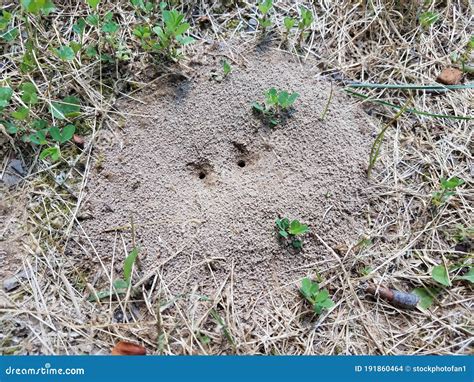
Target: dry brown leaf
<point>127,348</point>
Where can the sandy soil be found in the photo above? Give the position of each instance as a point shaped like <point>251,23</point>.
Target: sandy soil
<point>204,179</point>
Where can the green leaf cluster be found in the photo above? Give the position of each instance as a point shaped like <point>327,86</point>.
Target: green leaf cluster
<point>290,230</point>
<point>264,7</point>
<point>318,298</point>
<point>38,132</point>
<point>35,7</point>
<point>146,7</point>
<point>7,33</point>
<point>277,102</point>
<point>171,32</point>
<point>165,38</point>
<point>306,19</point>
<point>304,23</point>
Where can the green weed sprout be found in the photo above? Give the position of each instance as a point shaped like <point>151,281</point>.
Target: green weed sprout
<point>35,7</point>
<point>464,57</point>
<point>226,68</point>
<point>427,19</point>
<point>276,106</point>
<point>170,33</point>
<point>305,22</point>
<point>166,38</point>
<point>38,132</point>
<point>291,231</point>
<point>463,233</point>
<point>141,5</point>
<point>318,298</point>
<point>121,285</point>
<point>264,7</point>
<point>289,23</point>
<point>447,189</point>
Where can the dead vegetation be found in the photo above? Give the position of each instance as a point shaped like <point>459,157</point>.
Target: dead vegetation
<point>378,42</point>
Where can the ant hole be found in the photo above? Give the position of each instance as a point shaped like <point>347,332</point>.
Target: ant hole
<point>202,175</point>
<point>241,163</point>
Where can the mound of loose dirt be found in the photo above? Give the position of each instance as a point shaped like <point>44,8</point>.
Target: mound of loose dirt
<point>204,180</point>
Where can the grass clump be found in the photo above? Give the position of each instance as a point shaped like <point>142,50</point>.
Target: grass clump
<point>276,107</point>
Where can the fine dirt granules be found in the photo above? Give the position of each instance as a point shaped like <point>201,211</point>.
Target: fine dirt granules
<point>204,181</point>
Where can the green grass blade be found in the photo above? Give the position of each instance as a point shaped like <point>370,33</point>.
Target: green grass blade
<point>410,86</point>
<point>413,111</point>
<point>128,264</point>
<point>375,150</point>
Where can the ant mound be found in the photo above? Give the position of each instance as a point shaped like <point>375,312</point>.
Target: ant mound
<point>203,179</point>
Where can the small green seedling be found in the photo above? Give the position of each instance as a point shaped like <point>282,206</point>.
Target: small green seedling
<point>427,19</point>
<point>264,7</point>
<point>5,97</point>
<point>121,285</point>
<point>318,298</point>
<point>276,106</point>
<point>289,23</point>
<point>171,33</point>
<point>143,6</point>
<point>291,231</point>
<point>448,189</point>
<point>220,76</point>
<point>463,59</point>
<point>38,6</point>
<point>226,68</point>
<point>463,234</point>
<point>69,107</point>
<point>166,38</point>
<point>367,270</point>
<point>305,23</point>
<point>65,53</point>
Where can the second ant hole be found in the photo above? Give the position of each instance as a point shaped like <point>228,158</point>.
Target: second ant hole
<point>202,175</point>
<point>241,163</point>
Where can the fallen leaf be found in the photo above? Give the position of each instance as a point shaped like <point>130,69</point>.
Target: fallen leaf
<point>127,348</point>
<point>441,275</point>
<point>450,76</point>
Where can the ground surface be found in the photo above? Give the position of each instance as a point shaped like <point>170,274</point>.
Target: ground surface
<point>191,289</point>
<point>204,180</point>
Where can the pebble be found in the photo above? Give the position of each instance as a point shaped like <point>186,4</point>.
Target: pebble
<point>14,282</point>
<point>450,76</point>
<point>14,173</point>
